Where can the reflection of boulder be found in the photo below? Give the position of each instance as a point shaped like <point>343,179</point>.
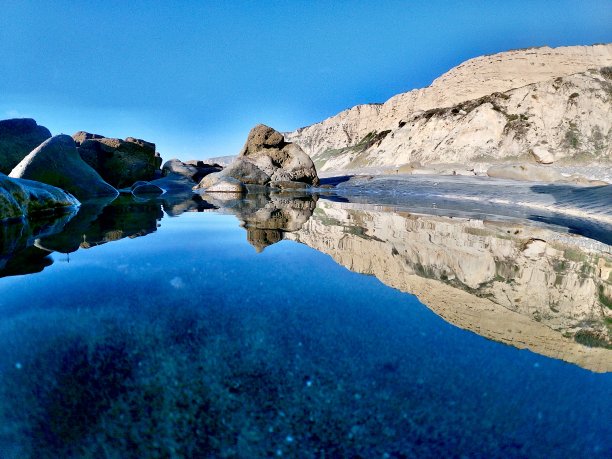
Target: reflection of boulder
<point>22,198</point>
<point>18,255</point>
<point>267,217</point>
<point>18,137</point>
<point>100,222</point>
<point>57,162</point>
<point>525,286</point>
<point>119,162</point>
<point>266,159</point>
<point>175,205</point>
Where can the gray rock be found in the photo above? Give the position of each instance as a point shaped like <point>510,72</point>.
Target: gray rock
<point>23,198</point>
<point>266,158</point>
<point>241,169</point>
<point>525,172</point>
<point>18,137</point>
<point>119,162</point>
<point>174,183</point>
<point>542,155</point>
<point>194,169</point>
<point>56,162</point>
<point>227,185</point>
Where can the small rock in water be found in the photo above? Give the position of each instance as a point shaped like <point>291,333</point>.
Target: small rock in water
<point>177,282</point>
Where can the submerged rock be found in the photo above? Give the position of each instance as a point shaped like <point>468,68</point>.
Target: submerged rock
<point>23,198</point>
<point>266,159</point>
<point>119,162</point>
<point>18,137</point>
<point>57,162</point>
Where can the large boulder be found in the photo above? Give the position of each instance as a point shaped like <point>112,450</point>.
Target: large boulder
<point>18,137</point>
<point>119,162</point>
<point>24,198</point>
<point>57,162</point>
<point>266,159</point>
<point>282,161</point>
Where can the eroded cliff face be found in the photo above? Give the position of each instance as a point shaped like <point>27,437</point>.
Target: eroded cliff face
<point>526,94</point>
<point>524,286</point>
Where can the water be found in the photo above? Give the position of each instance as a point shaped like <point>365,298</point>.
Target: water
<point>237,331</point>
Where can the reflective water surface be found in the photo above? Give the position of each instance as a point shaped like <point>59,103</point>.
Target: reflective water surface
<point>228,327</point>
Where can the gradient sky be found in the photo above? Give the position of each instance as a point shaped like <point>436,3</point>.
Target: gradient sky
<point>194,77</point>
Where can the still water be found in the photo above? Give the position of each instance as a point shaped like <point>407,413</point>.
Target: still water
<point>289,326</point>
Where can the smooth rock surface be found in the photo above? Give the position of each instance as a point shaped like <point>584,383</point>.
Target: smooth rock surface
<point>56,162</point>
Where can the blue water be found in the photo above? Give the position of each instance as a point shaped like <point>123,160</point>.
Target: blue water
<point>186,342</point>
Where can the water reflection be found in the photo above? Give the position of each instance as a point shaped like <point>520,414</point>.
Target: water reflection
<point>267,217</point>
<point>26,248</point>
<point>527,286</point>
<point>188,344</point>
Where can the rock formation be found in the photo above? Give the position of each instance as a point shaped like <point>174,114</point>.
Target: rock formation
<point>119,162</point>
<point>18,137</point>
<point>266,160</point>
<point>56,162</point>
<point>539,104</point>
<point>193,169</point>
<point>25,198</point>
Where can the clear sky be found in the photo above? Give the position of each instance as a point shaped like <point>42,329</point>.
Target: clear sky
<point>195,76</point>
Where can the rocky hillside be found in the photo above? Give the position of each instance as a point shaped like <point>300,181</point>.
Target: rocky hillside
<point>492,107</point>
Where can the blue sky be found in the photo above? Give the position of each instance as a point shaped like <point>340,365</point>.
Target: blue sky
<point>194,77</point>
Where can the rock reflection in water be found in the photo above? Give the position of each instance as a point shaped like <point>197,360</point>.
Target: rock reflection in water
<point>26,248</point>
<point>525,286</point>
<point>267,216</point>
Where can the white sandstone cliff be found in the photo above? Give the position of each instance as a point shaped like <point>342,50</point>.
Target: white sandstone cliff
<point>501,106</point>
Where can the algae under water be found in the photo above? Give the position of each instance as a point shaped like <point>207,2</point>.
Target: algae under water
<point>187,342</point>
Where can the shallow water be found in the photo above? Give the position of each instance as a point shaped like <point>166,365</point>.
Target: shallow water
<point>238,332</point>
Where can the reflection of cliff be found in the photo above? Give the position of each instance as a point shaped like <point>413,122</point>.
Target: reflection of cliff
<point>528,287</point>
<point>267,217</point>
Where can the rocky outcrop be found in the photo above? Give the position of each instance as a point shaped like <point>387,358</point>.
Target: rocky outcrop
<point>18,137</point>
<point>26,198</point>
<point>528,287</point>
<point>266,159</point>
<point>488,108</point>
<point>119,162</point>
<point>56,162</point>
<point>194,169</point>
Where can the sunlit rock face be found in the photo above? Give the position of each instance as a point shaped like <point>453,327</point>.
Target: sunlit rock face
<point>542,104</point>
<point>525,286</point>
